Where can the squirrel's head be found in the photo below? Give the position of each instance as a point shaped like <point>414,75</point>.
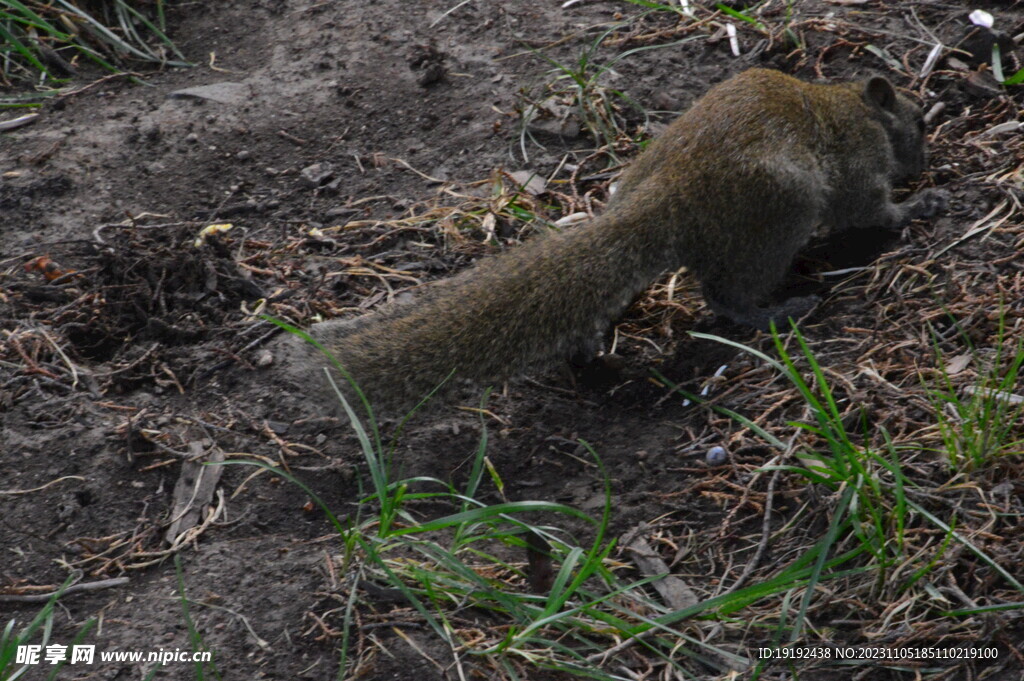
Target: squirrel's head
<point>903,123</point>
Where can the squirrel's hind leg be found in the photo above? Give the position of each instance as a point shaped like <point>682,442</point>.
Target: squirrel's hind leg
<point>744,310</point>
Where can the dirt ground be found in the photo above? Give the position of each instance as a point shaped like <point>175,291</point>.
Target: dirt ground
<point>324,114</point>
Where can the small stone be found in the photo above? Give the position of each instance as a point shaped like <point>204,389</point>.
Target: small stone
<point>565,127</point>
<point>530,181</point>
<point>982,84</point>
<point>716,456</point>
<point>278,427</point>
<point>317,175</point>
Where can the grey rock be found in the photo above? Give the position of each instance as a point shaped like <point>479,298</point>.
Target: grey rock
<point>317,175</point>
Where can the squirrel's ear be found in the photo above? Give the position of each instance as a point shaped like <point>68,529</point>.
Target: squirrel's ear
<point>880,92</point>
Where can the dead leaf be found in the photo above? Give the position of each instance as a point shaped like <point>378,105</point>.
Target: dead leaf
<point>957,364</point>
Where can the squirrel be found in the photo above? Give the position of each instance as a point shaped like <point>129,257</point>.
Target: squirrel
<point>732,190</point>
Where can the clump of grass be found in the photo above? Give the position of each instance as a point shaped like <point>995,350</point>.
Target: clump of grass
<point>464,576</point>
<point>40,631</point>
<point>981,423</point>
<point>454,567</point>
<point>871,504</point>
<point>41,624</point>
<point>581,89</point>
<point>42,43</point>
<point>876,501</point>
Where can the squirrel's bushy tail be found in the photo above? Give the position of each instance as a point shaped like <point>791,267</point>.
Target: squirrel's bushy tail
<point>526,309</point>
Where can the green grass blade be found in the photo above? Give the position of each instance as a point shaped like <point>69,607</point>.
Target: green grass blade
<point>492,512</point>
<point>10,40</point>
<point>1010,579</point>
<point>839,521</point>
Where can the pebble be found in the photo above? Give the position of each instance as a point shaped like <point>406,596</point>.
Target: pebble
<point>716,455</point>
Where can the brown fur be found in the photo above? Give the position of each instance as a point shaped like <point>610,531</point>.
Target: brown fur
<point>732,190</point>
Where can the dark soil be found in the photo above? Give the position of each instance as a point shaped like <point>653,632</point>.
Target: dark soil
<point>332,107</point>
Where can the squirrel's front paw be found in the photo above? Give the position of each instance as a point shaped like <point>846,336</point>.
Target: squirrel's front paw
<point>930,202</point>
<point>794,308</point>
